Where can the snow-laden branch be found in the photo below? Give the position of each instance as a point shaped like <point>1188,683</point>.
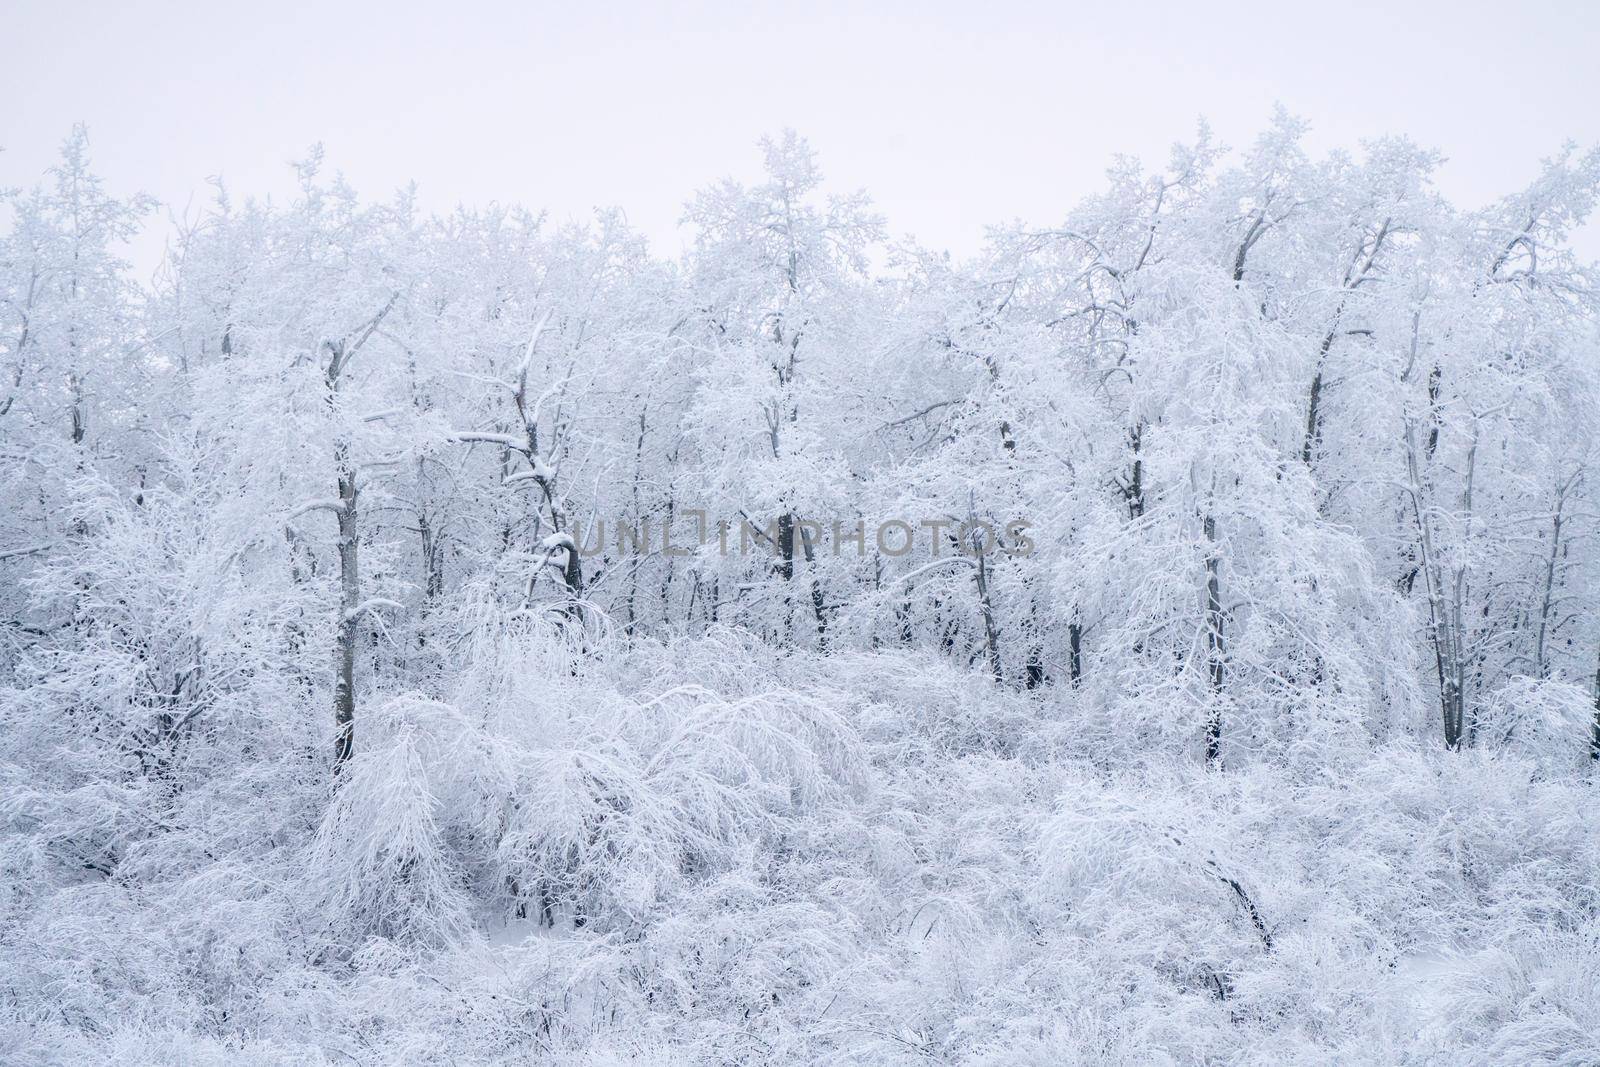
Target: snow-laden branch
<point>950,561</point>
<point>335,506</point>
<point>504,440</point>
<point>527,355</point>
<point>532,417</point>
<point>372,604</point>
<point>540,472</point>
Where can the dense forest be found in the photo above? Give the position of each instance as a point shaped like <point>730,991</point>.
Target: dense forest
<point>1170,635</point>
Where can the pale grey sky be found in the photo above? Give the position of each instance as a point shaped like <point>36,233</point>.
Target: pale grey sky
<point>951,115</point>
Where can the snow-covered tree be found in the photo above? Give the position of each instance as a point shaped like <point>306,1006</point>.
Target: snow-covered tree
<point>1169,635</point>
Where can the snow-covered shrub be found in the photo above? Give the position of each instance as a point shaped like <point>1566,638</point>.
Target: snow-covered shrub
<point>1168,873</point>
<point>1550,722</point>
<point>1532,998</point>
<point>379,866</point>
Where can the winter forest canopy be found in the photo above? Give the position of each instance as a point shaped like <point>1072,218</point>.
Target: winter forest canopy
<point>1170,636</point>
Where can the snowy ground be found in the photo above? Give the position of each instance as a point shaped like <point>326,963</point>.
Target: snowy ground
<point>913,866</point>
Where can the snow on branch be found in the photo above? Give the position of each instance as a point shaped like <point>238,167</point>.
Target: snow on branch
<point>504,440</point>
<point>335,506</point>
<point>372,604</point>
<point>527,355</point>
<point>540,472</point>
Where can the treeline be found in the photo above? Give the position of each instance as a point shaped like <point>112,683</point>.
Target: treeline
<point>1297,447</point>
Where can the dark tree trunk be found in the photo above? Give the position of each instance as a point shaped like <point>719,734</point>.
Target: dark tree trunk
<point>1075,651</point>
<point>991,636</point>
<point>786,547</point>
<point>1135,488</point>
<point>1313,413</point>
<point>1594,737</point>
<point>344,693</point>
<point>819,606</point>
<point>1216,646</point>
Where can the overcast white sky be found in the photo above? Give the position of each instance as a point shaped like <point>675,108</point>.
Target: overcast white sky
<point>951,115</point>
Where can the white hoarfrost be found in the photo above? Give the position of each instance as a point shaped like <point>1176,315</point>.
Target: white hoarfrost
<point>1169,636</point>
